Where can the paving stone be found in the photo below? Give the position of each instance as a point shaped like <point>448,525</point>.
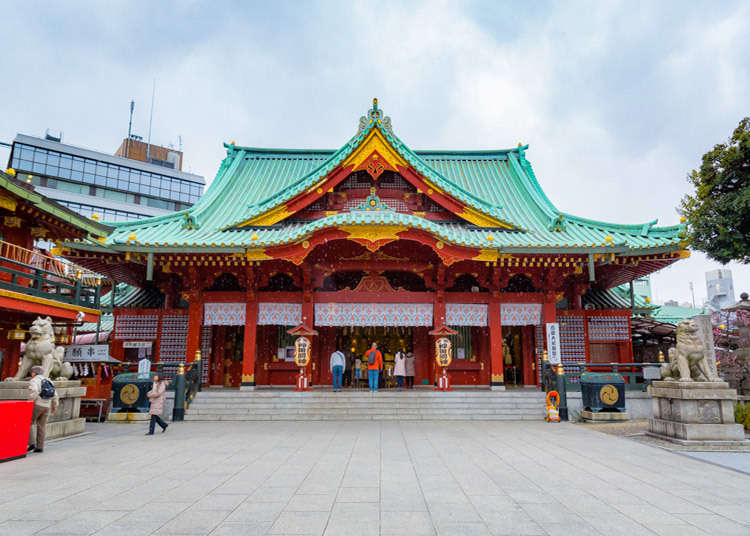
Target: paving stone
<point>311,503</point>
<point>454,477</point>
<point>193,522</point>
<point>300,523</point>
<point>83,523</point>
<point>463,529</point>
<point>255,511</point>
<point>716,524</point>
<point>672,529</point>
<point>354,495</point>
<point>272,494</point>
<point>242,529</point>
<point>411,523</point>
<point>452,513</point>
<point>22,528</point>
<point>219,501</point>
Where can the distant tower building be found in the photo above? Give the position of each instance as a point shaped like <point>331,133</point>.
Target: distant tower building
<point>148,182</point>
<point>642,287</point>
<point>720,288</point>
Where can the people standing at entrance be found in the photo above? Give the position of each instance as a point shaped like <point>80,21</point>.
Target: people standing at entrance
<point>399,368</point>
<point>42,393</point>
<point>338,364</point>
<point>357,371</point>
<point>374,365</point>
<point>409,366</point>
<point>157,395</point>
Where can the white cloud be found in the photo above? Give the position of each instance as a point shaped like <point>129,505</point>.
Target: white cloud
<point>617,100</point>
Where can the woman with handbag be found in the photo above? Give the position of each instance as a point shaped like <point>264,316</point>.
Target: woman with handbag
<point>157,395</point>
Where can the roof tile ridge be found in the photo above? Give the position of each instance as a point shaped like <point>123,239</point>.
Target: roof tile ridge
<point>218,185</point>
<point>294,189</point>
<point>523,169</point>
<point>278,150</point>
<point>401,146</point>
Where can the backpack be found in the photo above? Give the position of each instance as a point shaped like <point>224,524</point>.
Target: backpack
<point>48,389</point>
<point>371,355</point>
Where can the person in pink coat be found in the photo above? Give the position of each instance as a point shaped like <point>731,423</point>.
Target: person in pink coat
<point>157,395</point>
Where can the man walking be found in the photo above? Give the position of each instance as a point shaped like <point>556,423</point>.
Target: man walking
<point>374,364</point>
<point>338,365</point>
<point>42,393</point>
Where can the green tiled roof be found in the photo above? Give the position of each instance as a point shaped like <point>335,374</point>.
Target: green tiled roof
<point>28,193</point>
<point>501,184</point>
<point>107,323</point>
<point>675,313</point>
<point>616,298</point>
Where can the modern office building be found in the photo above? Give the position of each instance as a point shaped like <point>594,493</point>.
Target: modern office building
<point>113,187</point>
<point>720,288</point>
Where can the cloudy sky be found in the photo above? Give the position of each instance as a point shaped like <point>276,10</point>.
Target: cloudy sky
<point>618,100</point>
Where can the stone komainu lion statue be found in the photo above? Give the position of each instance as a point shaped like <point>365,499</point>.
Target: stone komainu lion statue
<point>687,361</point>
<point>40,351</point>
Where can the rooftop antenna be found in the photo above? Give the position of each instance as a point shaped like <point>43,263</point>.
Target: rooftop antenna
<point>130,129</point>
<point>179,143</point>
<point>150,120</point>
<point>692,292</point>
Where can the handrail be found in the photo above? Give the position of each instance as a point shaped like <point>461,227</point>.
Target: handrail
<point>187,384</point>
<point>39,282</point>
<point>53,265</point>
<point>635,379</point>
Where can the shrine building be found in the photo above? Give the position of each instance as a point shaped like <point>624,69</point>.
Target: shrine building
<point>374,242</point>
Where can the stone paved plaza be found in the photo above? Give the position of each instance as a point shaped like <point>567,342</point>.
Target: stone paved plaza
<point>367,478</point>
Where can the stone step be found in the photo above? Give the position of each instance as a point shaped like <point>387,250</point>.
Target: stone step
<point>365,393</point>
<point>365,404</point>
<point>374,417</point>
<point>345,411</point>
<point>361,405</point>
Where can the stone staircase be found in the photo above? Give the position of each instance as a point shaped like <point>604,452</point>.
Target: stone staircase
<point>360,405</point>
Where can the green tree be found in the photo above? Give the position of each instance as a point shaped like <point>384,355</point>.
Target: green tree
<point>718,213</point>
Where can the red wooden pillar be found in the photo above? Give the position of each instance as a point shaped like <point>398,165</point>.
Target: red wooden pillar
<point>528,355</point>
<point>308,317</point>
<point>249,343</point>
<point>422,355</point>
<point>195,322</point>
<point>497,382</point>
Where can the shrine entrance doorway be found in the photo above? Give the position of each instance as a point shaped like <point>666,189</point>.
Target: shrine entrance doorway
<point>225,368</point>
<point>355,341</point>
<point>518,355</point>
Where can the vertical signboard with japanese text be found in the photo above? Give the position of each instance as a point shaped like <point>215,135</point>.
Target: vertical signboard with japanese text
<point>553,343</point>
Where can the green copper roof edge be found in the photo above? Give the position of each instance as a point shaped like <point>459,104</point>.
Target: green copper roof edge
<point>425,152</point>
<point>51,207</point>
<point>624,227</point>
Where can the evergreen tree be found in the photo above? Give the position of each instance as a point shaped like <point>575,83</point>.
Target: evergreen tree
<point>718,213</point>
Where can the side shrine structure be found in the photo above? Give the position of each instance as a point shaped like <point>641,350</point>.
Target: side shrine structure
<point>374,242</point>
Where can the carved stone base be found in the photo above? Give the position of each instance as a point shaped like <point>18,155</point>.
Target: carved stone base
<point>694,413</point>
<point>66,420</point>
<point>130,417</point>
<point>604,416</point>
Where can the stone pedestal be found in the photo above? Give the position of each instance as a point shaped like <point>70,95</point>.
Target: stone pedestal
<point>604,416</point>
<point>694,413</point>
<point>66,420</point>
